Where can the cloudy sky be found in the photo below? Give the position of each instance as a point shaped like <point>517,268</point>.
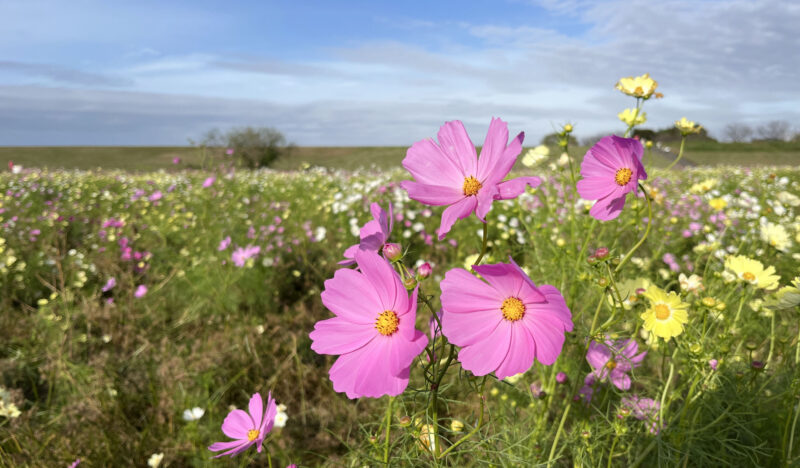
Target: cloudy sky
<point>100,72</point>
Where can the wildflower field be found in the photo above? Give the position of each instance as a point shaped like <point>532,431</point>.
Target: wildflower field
<point>606,313</point>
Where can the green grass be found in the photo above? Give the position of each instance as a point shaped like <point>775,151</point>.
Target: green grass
<point>134,158</point>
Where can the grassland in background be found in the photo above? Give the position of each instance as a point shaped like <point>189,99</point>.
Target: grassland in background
<point>142,158</point>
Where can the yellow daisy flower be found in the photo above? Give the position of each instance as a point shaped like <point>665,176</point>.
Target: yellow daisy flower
<point>718,204</point>
<point>687,127</point>
<point>626,117</point>
<point>752,272</point>
<point>666,315</point>
<point>639,87</point>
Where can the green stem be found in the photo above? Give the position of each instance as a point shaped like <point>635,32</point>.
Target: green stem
<point>791,436</point>
<point>771,341</point>
<point>558,435</point>
<point>475,429</point>
<point>680,153</point>
<point>388,429</point>
<point>585,243</point>
<point>646,232</point>
<point>635,115</point>
<point>611,451</point>
<point>483,243</point>
<point>664,393</point>
<point>797,351</point>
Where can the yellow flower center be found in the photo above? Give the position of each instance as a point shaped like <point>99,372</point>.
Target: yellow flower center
<point>387,323</point>
<point>623,176</point>
<point>611,364</point>
<point>252,434</point>
<point>662,312</point>
<point>471,186</point>
<point>513,309</point>
<point>747,276</point>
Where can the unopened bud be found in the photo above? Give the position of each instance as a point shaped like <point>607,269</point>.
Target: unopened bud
<point>404,421</point>
<point>410,283</point>
<point>424,271</point>
<point>601,253</point>
<point>602,282</point>
<point>568,128</point>
<point>392,252</point>
<point>709,302</point>
<point>591,260</point>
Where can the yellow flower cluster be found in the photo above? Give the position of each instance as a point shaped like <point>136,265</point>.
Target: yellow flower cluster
<point>631,118</point>
<point>639,87</point>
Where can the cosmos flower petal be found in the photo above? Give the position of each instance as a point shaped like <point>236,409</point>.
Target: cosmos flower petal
<point>269,417</point>
<point>456,211</point>
<point>493,163</point>
<point>431,165</point>
<point>484,356</point>
<point>256,408</point>
<point>218,446</point>
<point>237,423</point>
<point>433,194</point>
<point>462,292</point>
<point>598,355</point>
<point>513,188</point>
<point>620,380</point>
<point>485,198</point>
<point>337,336</point>
<point>503,277</point>
<point>338,297</point>
<point>521,353</point>
<point>608,208</point>
<point>548,335</point>
<point>458,147</point>
<point>384,281</point>
<point>468,328</point>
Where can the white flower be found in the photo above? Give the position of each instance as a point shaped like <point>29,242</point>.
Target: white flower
<point>193,414</point>
<point>776,236</point>
<point>280,419</point>
<point>563,160</point>
<point>535,156</point>
<point>319,233</point>
<point>691,284</point>
<point>788,198</point>
<point>155,460</point>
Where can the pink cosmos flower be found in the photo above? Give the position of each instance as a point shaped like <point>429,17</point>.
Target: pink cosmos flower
<point>450,172</point>
<point>611,169</point>
<point>109,284</point>
<point>613,360</point>
<point>373,330</point>
<point>209,181</point>
<point>224,243</point>
<point>155,196</point>
<point>229,151</point>
<point>504,323</point>
<point>176,160</point>
<point>247,429</point>
<point>373,235</point>
<point>141,290</point>
<point>242,254</point>
<point>644,409</point>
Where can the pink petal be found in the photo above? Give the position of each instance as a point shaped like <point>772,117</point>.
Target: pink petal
<point>595,188</point>
<point>337,336</point>
<point>486,355</point>
<point>462,292</point>
<point>401,353</point>
<point>548,333</point>
<point>338,297</point>
<point>620,379</point>
<point>246,444</point>
<point>555,307</point>
<point>384,280</point>
<point>521,353</point>
<point>237,423</point>
<point>528,293</point>
<point>502,277</point>
<point>430,164</point>
<point>464,329</point>
<point>485,197</point>
<point>435,195</point>
<point>384,220</point>
<point>492,163</point>
<point>234,444</point>
<point>408,317</point>
<point>256,407</point>
<point>513,188</point>
<point>598,355</point>
<point>349,255</point>
<point>269,418</point>
<point>607,208</point>
<point>458,210</point>
<point>455,143</point>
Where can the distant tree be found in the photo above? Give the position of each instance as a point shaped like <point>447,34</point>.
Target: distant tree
<point>776,130</point>
<point>737,132</point>
<point>644,134</point>
<point>253,147</point>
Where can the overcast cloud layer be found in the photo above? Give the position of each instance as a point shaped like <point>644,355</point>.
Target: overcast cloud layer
<point>87,73</point>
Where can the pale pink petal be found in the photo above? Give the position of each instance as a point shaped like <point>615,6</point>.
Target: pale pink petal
<point>598,355</point>
<point>458,210</point>
<point>607,208</point>
<point>256,408</point>
<point>401,353</point>
<point>337,336</point>
<point>502,277</point>
<point>435,195</point>
<point>548,333</point>
<point>455,143</point>
<point>217,446</point>
<point>338,297</point>
<point>595,188</point>
<point>349,255</point>
<point>408,316</point>
<point>237,423</point>
<point>464,329</point>
<point>485,197</point>
<point>528,293</point>
<point>462,292</point>
<point>245,444</point>
<point>431,165</point>
<point>486,355</point>
<point>620,379</point>
<point>513,188</point>
<point>491,162</point>
<point>521,353</point>
<point>556,306</point>
<point>384,280</point>
<point>269,417</point>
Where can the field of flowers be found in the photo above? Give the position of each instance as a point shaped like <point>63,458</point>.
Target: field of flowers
<point>139,311</point>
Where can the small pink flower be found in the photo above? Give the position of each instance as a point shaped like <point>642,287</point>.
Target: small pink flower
<point>229,151</point>
<point>373,235</point>
<point>242,254</point>
<point>424,270</point>
<point>209,181</point>
<point>176,160</point>
<point>712,363</point>
<point>644,409</point>
<point>613,360</point>
<point>109,284</point>
<point>76,462</point>
<point>450,172</point>
<point>502,324</point>
<point>561,377</point>
<point>155,196</point>
<point>141,290</point>
<point>373,329</point>
<point>247,428</point>
<point>224,244</point>
<point>611,169</point>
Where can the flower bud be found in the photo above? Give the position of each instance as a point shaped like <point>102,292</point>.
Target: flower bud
<point>568,128</point>
<point>424,271</point>
<point>591,260</point>
<point>456,426</point>
<point>404,421</point>
<point>392,252</point>
<point>709,302</point>
<point>602,282</point>
<point>561,377</point>
<point>601,253</point>
<point>410,283</point>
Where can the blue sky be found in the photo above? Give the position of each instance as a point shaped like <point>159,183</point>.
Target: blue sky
<point>92,72</point>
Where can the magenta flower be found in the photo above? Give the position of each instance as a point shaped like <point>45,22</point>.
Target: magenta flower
<point>450,172</point>
<point>613,360</point>
<point>141,290</point>
<point>504,323</point>
<point>176,160</point>
<point>611,169</point>
<point>109,284</point>
<point>241,255</point>
<point>247,429</point>
<point>209,181</point>
<point>224,243</point>
<point>374,233</point>
<point>644,409</point>
<point>373,330</point>
<point>229,151</point>
<point>155,196</point>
